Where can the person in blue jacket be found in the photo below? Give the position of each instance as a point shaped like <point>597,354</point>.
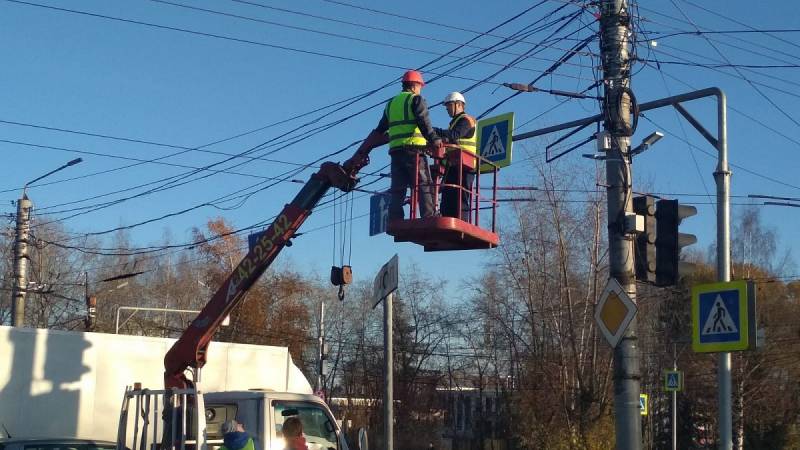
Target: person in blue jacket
<point>235,438</point>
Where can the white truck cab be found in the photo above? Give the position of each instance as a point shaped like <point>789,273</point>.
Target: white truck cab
<point>262,413</point>
<point>147,422</point>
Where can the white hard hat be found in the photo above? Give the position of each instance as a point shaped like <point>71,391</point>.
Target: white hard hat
<point>454,97</point>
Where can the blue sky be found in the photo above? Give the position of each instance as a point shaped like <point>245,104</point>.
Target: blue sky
<point>223,76</point>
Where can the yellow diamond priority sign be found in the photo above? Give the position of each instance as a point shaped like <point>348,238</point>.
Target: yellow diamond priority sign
<point>614,312</point>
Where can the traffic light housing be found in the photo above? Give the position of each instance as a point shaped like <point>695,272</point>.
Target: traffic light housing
<point>670,241</point>
<point>645,243</point>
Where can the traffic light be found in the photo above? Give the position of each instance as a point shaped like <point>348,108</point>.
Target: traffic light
<point>645,244</point>
<point>669,241</point>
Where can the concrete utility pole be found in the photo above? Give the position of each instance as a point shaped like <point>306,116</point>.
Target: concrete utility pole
<point>24,206</point>
<point>614,35</point>
<point>20,287</point>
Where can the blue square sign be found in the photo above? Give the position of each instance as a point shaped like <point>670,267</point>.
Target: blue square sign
<point>378,213</point>
<point>719,316</point>
<point>494,147</point>
<point>495,140</point>
<point>723,316</point>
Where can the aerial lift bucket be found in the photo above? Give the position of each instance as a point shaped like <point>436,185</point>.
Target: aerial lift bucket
<point>465,232</point>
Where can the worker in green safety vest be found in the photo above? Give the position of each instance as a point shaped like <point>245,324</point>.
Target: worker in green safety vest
<point>405,120</point>
<point>461,132</point>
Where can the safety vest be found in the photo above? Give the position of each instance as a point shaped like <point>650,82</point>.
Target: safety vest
<point>403,128</point>
<point>248,446</point>
<point>469,144</point>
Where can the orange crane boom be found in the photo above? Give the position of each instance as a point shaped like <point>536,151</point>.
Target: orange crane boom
<point>190,349</point>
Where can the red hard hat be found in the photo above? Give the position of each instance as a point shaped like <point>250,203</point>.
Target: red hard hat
<point>413,76</point>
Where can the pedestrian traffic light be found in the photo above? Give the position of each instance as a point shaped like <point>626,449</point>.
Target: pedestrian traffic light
<point>645,243</point>
<point>669,241</point>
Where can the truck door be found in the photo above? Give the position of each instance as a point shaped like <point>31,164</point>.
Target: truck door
<point>319,427</point>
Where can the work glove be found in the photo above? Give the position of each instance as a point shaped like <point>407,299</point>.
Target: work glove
<point>436,149</point>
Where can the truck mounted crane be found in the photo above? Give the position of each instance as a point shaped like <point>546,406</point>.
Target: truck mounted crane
<point>189,351</point>
<point>183,418</point>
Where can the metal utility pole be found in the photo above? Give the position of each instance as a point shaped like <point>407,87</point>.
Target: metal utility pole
<point>388,374</point>
<point>321,341</point>
<point>24,206</point>
<point>614,43</point>
<point>383,290</point>
<point>674,402</point>
<point>722,177</point>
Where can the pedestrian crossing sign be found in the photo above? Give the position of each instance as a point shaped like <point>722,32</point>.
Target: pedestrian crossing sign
<point>673,380</point>
<point>494,140</point>
<point>643,404</point>
<point>723,316</point>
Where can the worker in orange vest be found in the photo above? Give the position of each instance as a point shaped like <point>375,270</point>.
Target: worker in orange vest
<point>405,120</point>
<point>461,132</point>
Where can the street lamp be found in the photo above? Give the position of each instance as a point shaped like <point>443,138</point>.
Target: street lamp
<point>651,139</point>
<point>24,206</point>
<point>646,143</point>
<point>70,163</point>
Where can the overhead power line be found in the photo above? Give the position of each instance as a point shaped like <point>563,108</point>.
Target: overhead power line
<point>399,32</point>
<point>726,42</point>
<point>663,35</point>
<point>746,25</point>
<point>240,40</point>
<point>172,182</point>
<point>762,94</point>
<point>430,22</point>
<point>709,154</point>
<point>760,122</point>
<point>674,54</point>
<point>157,161</point>
<point>352,38</point>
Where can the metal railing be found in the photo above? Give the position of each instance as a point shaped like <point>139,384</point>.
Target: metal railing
<point>456,157</point>
<point>135,309</point>
<point>178,412</point>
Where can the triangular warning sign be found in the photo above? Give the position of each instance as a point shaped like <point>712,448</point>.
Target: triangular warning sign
<point>495,145</point>
<point>719,319</point>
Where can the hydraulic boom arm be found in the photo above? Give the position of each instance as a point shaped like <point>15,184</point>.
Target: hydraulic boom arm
<point>190,349</point>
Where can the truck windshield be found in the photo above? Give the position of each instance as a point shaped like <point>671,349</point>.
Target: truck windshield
<point>318,427</point>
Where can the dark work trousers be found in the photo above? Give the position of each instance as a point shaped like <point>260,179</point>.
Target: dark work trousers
<point>403,165</point>
<point>452,195</point>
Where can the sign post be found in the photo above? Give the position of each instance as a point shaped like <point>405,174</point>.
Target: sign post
<point>383,288</point>
<point>673,382</point>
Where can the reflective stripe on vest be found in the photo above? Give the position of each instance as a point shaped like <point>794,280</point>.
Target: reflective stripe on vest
<point>468,144</point>
<point>403,128</point>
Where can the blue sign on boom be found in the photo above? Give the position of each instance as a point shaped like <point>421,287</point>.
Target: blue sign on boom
<point>378,213</point>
